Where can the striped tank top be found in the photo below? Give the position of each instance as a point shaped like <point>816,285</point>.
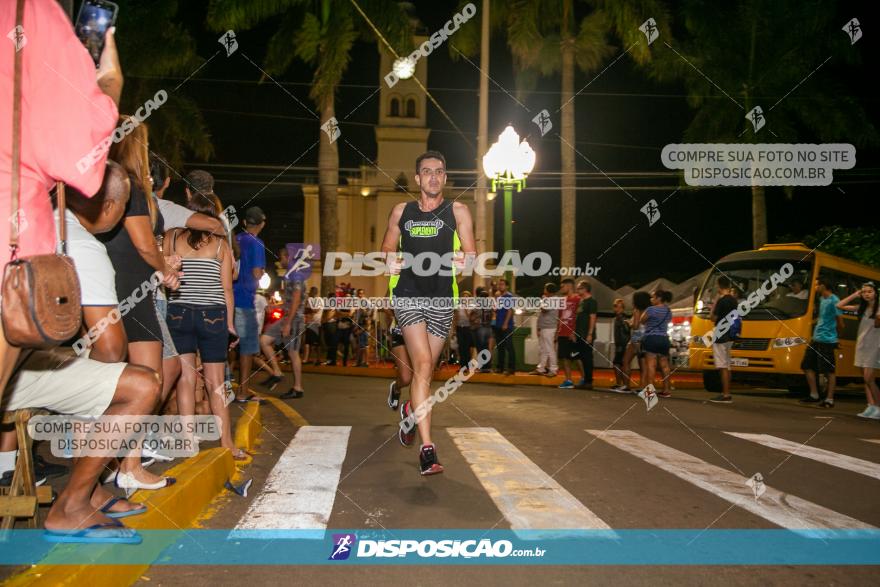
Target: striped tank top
<point>201,284</point>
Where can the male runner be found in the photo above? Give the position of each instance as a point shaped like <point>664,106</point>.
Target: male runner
<point>438,227</point>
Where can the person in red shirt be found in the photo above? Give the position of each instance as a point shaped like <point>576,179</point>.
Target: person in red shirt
<point>566,338</point>
<point>66,109</point>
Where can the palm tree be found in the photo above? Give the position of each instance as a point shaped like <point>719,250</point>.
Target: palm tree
<point>149,53</point>
<point>733,56</point>
<point>322,34</point>
<point>545,39</point>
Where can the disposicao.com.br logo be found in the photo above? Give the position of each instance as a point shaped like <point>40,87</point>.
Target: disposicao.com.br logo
<point>344,545</point>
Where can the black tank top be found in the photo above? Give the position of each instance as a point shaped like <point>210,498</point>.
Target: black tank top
<point>427,232</point>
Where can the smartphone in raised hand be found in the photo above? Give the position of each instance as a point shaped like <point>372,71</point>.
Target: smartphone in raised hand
<point>92,22</point>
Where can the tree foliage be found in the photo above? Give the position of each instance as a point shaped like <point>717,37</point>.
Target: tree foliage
<point>859,244</point>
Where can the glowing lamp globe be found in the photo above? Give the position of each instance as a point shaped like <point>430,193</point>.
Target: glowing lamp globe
<point>404,67</point>
<point>509,158</point>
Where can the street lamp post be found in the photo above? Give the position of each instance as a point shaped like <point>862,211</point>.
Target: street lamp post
<point>507,163</point>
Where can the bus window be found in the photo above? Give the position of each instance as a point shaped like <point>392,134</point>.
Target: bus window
<point>843,284</point>
<point>789,299</point>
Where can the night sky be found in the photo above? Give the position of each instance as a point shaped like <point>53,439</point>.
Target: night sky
<point>623,120</point>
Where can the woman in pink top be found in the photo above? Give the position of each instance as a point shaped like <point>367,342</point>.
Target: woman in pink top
<point>67,108</point>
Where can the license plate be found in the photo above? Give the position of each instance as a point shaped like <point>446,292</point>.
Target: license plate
<point>739,362</point>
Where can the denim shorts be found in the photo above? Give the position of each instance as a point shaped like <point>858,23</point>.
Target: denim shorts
<point>292,342</point>
<point>168,349</point>
<point>199,328</point>
<point>656,344</point>
<point>248,331</point>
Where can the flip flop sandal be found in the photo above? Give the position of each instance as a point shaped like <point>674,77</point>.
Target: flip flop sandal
<point>105,509</point>
<point>110,533</point>
<point>250,398</point>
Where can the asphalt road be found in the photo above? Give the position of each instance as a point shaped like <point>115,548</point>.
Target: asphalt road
<point>673,467</point>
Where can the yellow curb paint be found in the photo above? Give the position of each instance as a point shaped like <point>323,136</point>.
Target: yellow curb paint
<point>247,432</point>
<point>288,412</point>
<point>601,376</point>
<point>247,437</point>
<point>200,479</point>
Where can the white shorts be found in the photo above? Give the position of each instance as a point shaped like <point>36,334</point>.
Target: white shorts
<point>62,382</point>
<point>721,354</point>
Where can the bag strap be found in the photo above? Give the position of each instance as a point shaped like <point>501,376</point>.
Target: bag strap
<point>61,201</point>
<point>16,135</point>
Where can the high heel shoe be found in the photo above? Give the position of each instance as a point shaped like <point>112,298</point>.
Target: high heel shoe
<point>111,476</point>
<point>130,483</point>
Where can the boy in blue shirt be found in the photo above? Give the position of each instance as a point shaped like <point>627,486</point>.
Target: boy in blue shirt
<point>820,354</point>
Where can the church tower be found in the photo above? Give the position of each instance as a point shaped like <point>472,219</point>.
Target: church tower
<point>402,132</point>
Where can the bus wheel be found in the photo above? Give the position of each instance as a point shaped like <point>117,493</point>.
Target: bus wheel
<point>712,381</point>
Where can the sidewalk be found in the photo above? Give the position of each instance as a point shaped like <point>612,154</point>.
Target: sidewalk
<point>601,377</point>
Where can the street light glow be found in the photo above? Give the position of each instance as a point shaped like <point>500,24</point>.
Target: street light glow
<point>404,67</point>
<point>509,157</point>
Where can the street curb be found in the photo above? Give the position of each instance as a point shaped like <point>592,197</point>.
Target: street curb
<point>199,480</point>
<point>602,377</point>
<point>249,427</point>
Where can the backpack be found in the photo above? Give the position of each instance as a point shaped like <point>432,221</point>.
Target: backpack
<point>736,326</point>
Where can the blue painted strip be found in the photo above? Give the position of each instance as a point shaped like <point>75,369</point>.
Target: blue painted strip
<point>461,547</point>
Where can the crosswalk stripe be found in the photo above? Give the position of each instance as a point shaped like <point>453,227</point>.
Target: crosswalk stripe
<point>527,496</point>
<point>301,489</point>
<point>817,454</point>
<point>782,509</point>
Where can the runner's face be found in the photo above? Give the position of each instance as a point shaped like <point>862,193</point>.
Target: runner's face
<point>431,177</point>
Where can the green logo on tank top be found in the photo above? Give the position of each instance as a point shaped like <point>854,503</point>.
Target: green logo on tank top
<point>423,228</point>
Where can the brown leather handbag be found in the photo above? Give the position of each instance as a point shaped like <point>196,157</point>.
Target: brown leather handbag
<point>41,295</point>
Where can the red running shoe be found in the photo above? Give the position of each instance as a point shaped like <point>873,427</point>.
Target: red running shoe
<point>405,435</point>
<point>428,461</point>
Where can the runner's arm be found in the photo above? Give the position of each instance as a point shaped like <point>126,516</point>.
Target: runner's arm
<point>464,227</point>
<point>392,232</point>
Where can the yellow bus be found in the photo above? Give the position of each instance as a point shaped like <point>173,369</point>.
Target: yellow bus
<point>776,330</point>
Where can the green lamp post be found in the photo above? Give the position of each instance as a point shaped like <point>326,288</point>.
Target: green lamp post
<point>507,163</point>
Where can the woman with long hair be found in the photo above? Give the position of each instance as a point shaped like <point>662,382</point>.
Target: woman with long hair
<point>655,343</point>
<point>641,302</point>
<point>136,256</point>
<point>201,314</point>
<point>868,344</point>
